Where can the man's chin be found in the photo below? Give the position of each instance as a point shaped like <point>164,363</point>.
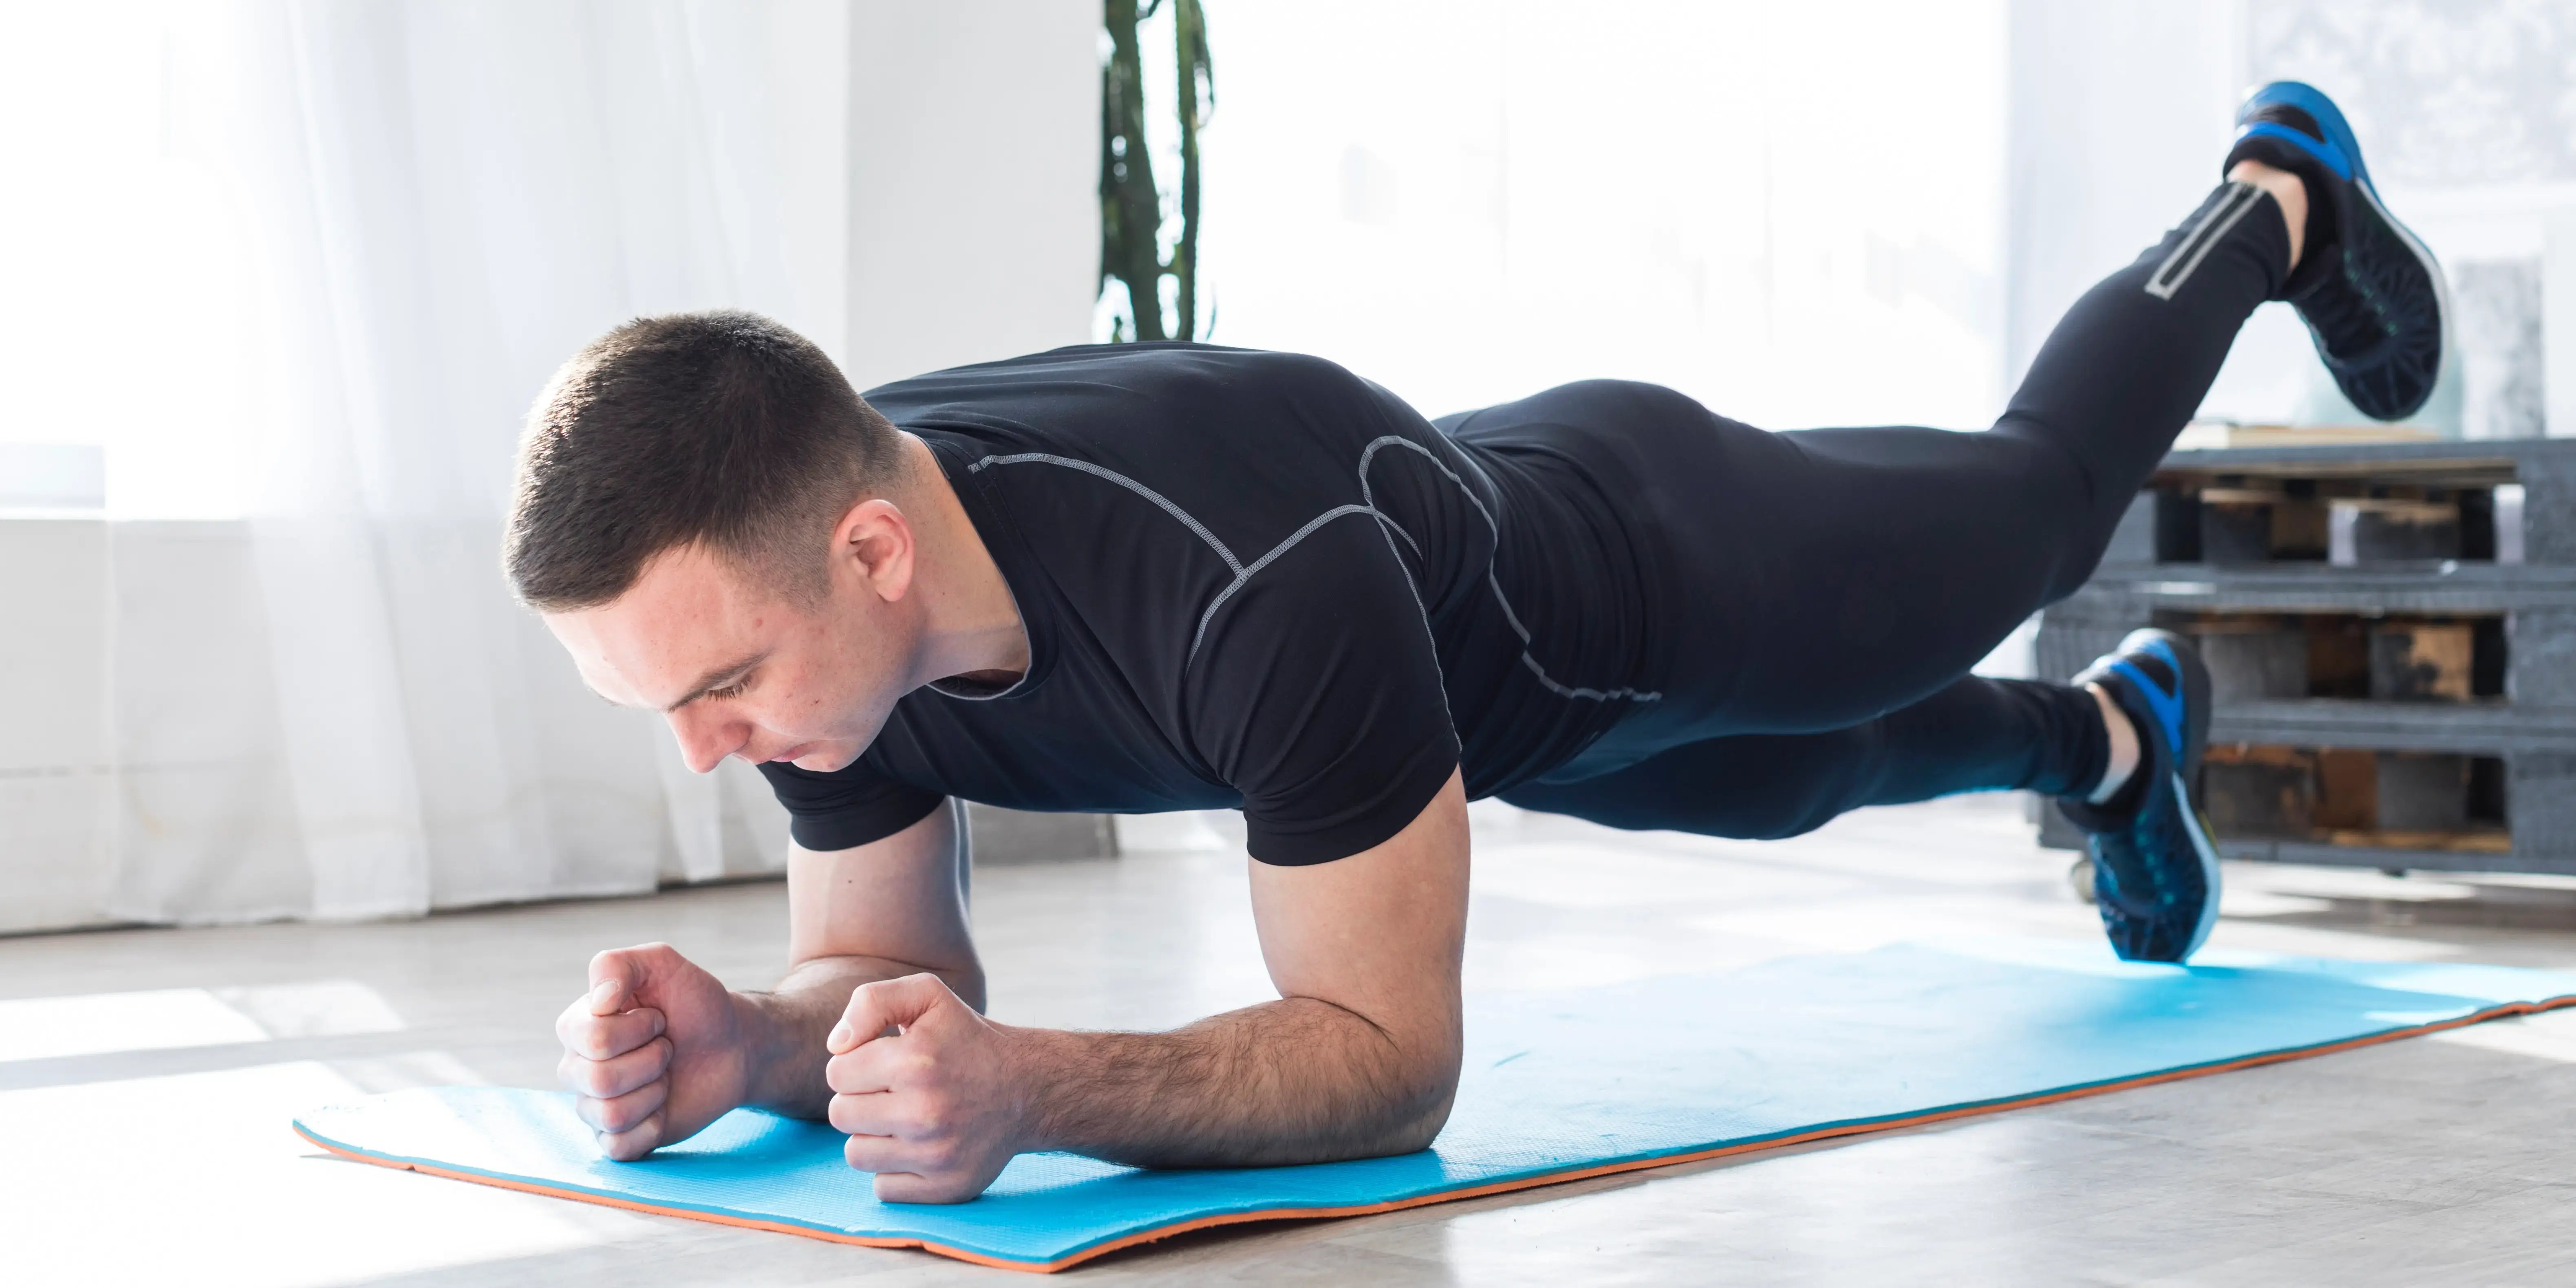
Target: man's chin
<point>819,759</point>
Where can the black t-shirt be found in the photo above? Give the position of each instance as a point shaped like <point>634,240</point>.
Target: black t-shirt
<point>1249,580</point>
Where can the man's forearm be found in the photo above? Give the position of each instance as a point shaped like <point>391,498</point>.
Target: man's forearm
<point>1291,1081</point>
<point>787,1025</point>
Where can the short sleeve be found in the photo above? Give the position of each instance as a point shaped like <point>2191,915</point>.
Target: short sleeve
<point>846,807</point>
<point>1315,690</point>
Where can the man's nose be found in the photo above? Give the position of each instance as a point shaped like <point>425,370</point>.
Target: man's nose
<point>706,739</point>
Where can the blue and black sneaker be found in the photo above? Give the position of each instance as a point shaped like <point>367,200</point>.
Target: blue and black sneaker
<point>2372,297</point>
<point>2155,873</point>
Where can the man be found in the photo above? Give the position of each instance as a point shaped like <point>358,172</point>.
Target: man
<point>1136,578</point>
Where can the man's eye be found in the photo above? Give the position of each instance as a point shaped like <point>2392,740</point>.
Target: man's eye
<point>733,690</point>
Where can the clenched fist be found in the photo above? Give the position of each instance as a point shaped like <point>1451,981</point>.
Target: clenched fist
<point>656,1050</point>
<point>928,1090</point>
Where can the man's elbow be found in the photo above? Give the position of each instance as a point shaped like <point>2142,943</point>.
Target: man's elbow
<point>1418,1133</point>
<point>1420,1111</point>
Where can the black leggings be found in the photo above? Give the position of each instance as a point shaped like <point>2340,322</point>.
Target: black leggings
<point>1828,590</point>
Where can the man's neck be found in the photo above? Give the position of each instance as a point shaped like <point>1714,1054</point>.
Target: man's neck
<point>974,631</point>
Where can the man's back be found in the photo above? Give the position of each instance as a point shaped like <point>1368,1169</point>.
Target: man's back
<point>1249,578</point>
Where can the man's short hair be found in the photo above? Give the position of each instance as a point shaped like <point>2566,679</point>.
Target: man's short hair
<point>721,428</point>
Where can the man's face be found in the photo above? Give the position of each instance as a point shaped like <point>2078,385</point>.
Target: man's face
<point>741,670</point>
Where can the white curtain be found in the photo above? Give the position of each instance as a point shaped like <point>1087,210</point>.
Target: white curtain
<point>333,708</point>
<point>298,268</point>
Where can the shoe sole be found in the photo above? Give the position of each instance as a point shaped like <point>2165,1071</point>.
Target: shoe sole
<point>2441,297</point>
<point>2209,874</point>
<point>2195,696</point>
<point>2329,118</point>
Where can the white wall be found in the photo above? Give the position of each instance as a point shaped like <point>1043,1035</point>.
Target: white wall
<point>974,228</point>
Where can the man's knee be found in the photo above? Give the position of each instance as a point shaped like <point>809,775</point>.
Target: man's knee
<point>1744,801</point>
<point>2063,499</point>
<point>1734,821</point>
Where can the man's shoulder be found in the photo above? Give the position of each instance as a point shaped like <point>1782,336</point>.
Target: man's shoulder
<point>1237,430</point>
<point>1154,472</point>
<point>1102,371</point>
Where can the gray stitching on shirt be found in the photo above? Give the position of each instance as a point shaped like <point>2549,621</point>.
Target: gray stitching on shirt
<point>1492,583</point>
<point>1264,562</point>
<point>1392,526</point>
<point>1368,507</point>
<point>1125,482</point>
<point>1386,525</point>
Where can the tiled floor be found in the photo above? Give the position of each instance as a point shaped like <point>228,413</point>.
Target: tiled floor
<point>142,1139</point>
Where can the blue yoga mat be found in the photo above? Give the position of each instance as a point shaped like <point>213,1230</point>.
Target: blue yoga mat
<point>1557,1086</point>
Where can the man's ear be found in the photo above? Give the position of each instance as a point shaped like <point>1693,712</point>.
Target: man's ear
<point>874,543</point>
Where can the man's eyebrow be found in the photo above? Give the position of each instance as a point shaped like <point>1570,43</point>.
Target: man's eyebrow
<point>717,679</point>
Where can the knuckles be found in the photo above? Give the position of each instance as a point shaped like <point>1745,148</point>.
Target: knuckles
<point>872,1067</point>
<point>626,1145</point>
<point>587,1077</point>
<point>931,1115</point>
<point>590,1041</point>
<point>843,1114</point>
<point>867,1153</point>
<point>847,1074</point>
<point>659,1061</point>
<point>598,1080</point>
<point>605,1078</point>
<point>927,1121</point>
<point>916,1173</point>
<point>602,1037</point>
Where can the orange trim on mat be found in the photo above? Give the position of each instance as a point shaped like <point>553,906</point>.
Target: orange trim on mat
<point>1475,1191</point>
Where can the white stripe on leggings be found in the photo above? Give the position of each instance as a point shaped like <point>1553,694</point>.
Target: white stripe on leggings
<point>2196,245</point>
